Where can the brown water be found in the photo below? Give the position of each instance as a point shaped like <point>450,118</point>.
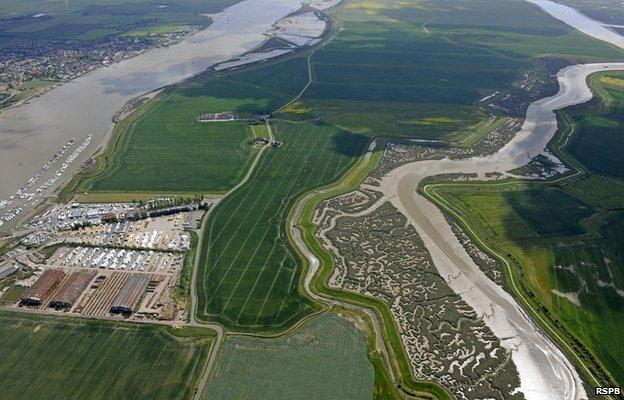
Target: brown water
<point>32,133</point>
<point>545,372</point>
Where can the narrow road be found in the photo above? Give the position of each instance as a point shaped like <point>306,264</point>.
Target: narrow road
<point>193,309</point>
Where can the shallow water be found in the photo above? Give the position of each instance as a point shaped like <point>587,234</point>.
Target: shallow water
<point>580,22</point>
<point>545,372</point>
<point>32,133</point>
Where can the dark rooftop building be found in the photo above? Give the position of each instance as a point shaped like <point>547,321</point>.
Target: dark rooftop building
<point>42,288</point>
<point>128,299</point>
<point>8,268</point>
<point>70,289</point>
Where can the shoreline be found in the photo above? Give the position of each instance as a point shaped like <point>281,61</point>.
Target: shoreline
<point>33,131</point>
<point>532,350</point>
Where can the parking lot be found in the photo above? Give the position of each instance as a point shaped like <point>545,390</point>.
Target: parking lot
<point>117,259</point>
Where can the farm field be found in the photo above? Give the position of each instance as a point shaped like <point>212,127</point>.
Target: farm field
<point>80,20</point>
<point>163,148</point>
<point>411,69</point>
<point>325,359</point>
<point>598,142</point>
<point>575,273</point>
<point>248,272</point>
<point>59,358</point>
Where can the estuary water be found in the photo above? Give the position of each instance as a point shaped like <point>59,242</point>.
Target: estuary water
<point>580,22</point>
<point>32,133</point>
<point>545,372</point>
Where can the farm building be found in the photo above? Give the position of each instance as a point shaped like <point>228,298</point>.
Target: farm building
<point>128,299</point>
<point>8,268</point>
<point>70,289</point>
<point>260,118</point>
<point>42,288</point>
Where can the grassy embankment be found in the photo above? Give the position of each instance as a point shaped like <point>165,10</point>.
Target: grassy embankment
<point>47,357</point>
<point>569,273</point>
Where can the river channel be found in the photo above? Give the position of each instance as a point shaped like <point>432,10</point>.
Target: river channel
<point>545,372</point>
<point>32,133</point>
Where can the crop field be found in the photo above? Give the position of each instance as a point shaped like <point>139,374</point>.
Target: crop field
<point>518,215</point>
<point>59,358</point>
<point>165,149</point>
<point>168,150</point>
<point>248,273</point>
<point>579,279</point>
<point>71,20</point>
<point>324,359</point>
<point>415,69</point>
<point>598,143</point>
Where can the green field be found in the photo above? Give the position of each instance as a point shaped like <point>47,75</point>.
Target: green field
<point>163,148</point>
<point>248,274</point>
<point>576,273</point>
<point>417,69</point>
<point>90,19</point>
<point>168,149</point>
<point>324,359</point>
<point>592,189</point>
<point>599,143</point>
<point>61,358</point>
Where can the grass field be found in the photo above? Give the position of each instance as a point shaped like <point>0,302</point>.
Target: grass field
<point>591,189</point>
<point>12,295</point>
<point>416,69</point>
<point>598,143</point>
<point>163,148</point>
<point>168,149</point>
<point>579,279</point>
<point>248,273</point>
<point>325,359</point>
<point>59,358</point>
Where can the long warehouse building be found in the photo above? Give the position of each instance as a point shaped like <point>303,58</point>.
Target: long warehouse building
<point>42,288</point>
<point>130,295</point>
<point>70,289</point>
